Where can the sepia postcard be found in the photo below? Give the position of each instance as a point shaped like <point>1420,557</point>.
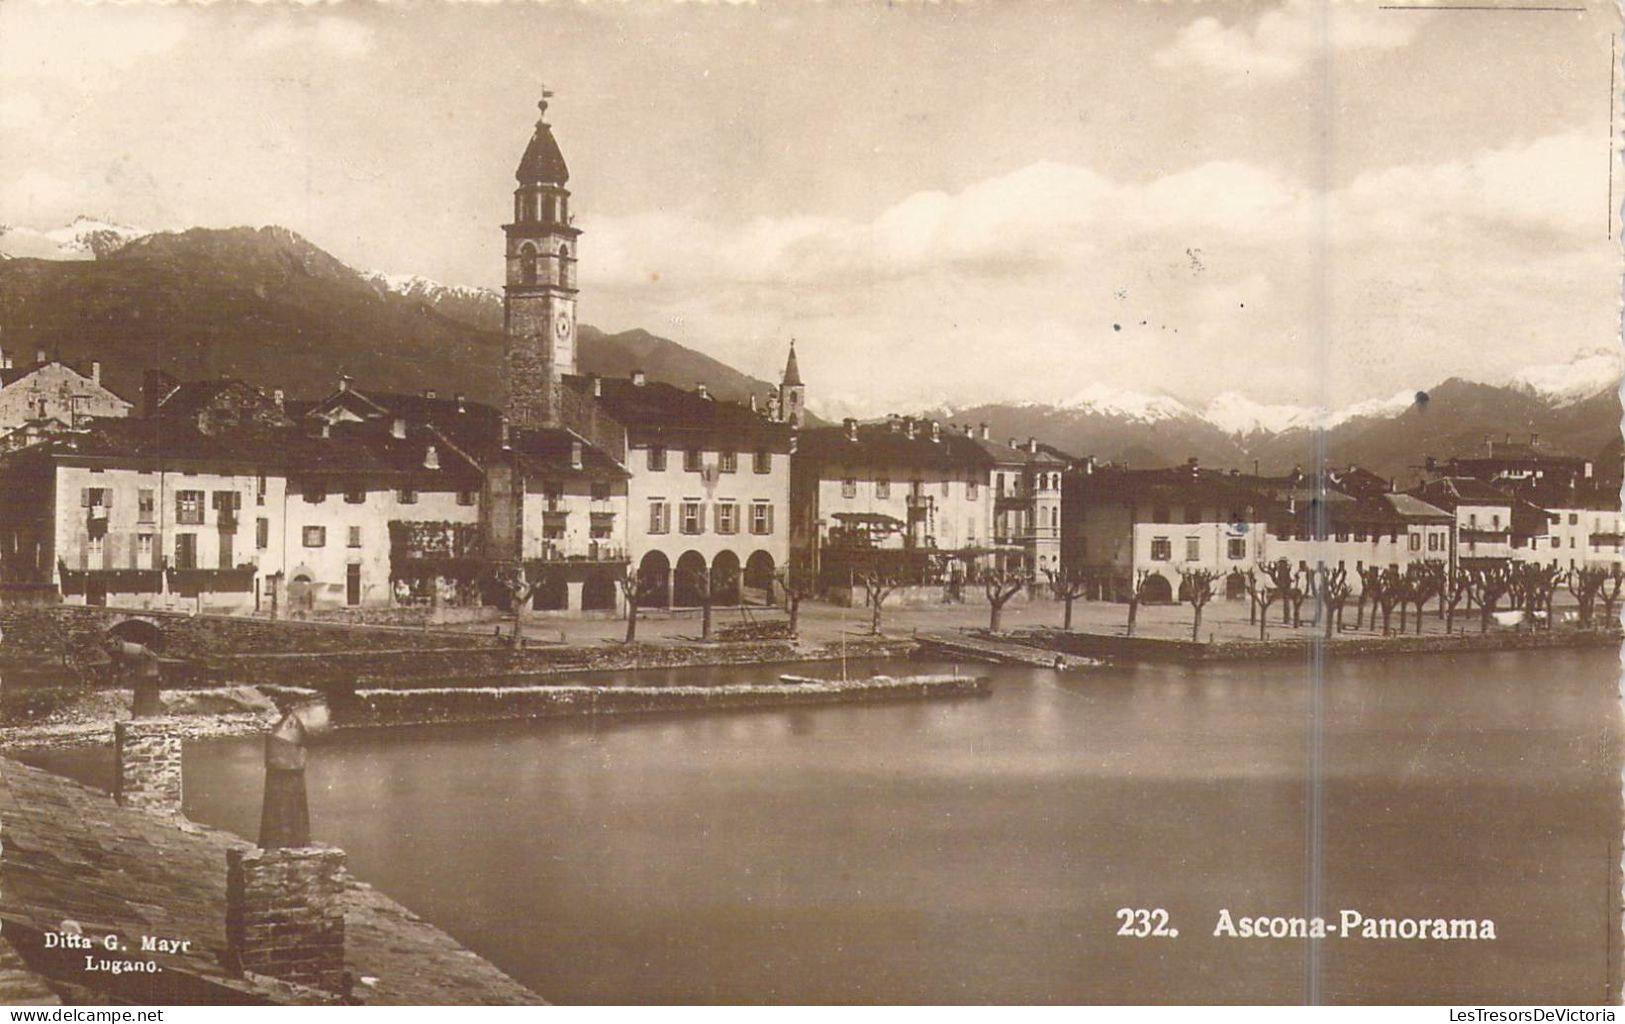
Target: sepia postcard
<point>1025,502</point>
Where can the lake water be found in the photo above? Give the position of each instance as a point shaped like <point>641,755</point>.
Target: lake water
<point>978,850</point>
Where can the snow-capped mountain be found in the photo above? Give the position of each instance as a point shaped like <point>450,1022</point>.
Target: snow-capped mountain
<point>481,307</point>
<point>1591,371</point>
<point>86,238</point>
<point>1100,400</point>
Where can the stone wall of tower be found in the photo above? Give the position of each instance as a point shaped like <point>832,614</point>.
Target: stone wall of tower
<point>530,373</point>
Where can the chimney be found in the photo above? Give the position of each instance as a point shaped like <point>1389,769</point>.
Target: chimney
<point>895,422</point>
<point>753,403</point>
<point>462,403</point>
<point>39,355</point>
<point>344,383</point>
<point>430,393</point>
<point>1534,439</point>
<point>908,427</point>
<point>327,428</point>
<point>597,386</point>
<point>575,454</point>
<point>936,432</point>
<point>982,428</point>
<point>639,379</point>
<point>506,435</point>
<point>1012,442</point>
<point>147,752</point>
<point>1032,445</point>
<point>5,359</point>
<point>431,458</point>
<point>96,373</point>
<point>851,428</point>
<point>397,429</point>
<point>285,900</point>
<point>280,398</point>
<point>701,390</point>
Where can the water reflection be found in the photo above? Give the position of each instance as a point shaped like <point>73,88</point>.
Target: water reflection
<point>977,850</point>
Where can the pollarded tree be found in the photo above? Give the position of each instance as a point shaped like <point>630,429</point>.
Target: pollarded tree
<point>631,584</point>
<point>1068,585</point>
<point>1136,595</point>
<point>1609,594</point>
<point>1334,591</point>
<point>798,584</point>
<point>1540,582</point>
<point>1454,588</point>
<point>1391,591</point>
<point>877,587</point>
<point>1000,586</point>
<point>1262,593</point>
<point>1489,585</point>
<point>520,589</point>
<point>1198,586</point>
<point>707,583</point>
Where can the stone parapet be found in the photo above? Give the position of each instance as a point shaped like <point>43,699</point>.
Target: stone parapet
<point>285,915</point>
<point>147,755</point>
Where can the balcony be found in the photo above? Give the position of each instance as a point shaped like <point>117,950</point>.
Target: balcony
<point>96,520</point>
<point>191,582</point>
<point>226,520</point>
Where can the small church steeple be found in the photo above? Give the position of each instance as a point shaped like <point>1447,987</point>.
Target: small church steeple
<point>792,393</point>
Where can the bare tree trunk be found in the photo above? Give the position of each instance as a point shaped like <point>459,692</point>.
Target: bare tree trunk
<point>793,606</point>
<point>1196,626</point>
<point>993,616</point>
<point>705,617</point>
<point>632,620</point>
<point>1066,619</point>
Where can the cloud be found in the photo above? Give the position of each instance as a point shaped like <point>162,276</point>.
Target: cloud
<point>1055,274</point>
<point>340,36</point>
<point>73,42</point>
<point>1281,42</point>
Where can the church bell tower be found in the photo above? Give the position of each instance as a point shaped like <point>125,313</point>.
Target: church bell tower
<point>539,298</point>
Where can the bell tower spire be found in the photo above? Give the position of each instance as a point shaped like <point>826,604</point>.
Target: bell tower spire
<point>539,297</point>
<point>792,393</point>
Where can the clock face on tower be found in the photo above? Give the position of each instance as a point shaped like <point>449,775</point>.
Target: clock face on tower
<point>561,326</point>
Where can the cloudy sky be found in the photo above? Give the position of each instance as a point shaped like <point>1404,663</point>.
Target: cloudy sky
<point>1306,202</point>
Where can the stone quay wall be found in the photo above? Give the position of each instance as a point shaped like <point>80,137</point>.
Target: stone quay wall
<point>493,703</point>
<point>1155,649</point>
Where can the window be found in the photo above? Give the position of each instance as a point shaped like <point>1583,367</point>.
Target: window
<point>1236,548</point>
<point>189,508</point>
<point>945,490</point>
<point>1193,514</point>
<point>552,493</point>
<point>600,490</point>
<point>225,505</point>
<point>355,494</point>
<point>259,489</point>
<point>146,508</point>
<point>762,461</point>
<point>1495,521</point>
<point>96,497</point>
<point>1434,542</point>
<point>1393,536</point>
<point>143,551</point>
<point>882,487</point>
<point>692,462</point>
<point>186,551</point>
<point>659,516</point>
<point>553,530</point>
<point>1359,536</point>
<point>761,518</point>
<point>849,488</point>
<point>728,462</point>
<point>468,497</point>
<point>1574,519</point>
<point>224,556</point>
<point>691,521</point>
<point>1342,536</point>
<point>602,526</point>
<point>657,458</point>
<point>354,539</point>
<point>1472,520</point>
<point>1557,542</point>
<point>970,490</point>
<point>95,552</point>
<point>315,536</point>
<point>727,517</point>
<point>1416,542</point>
<point>1162,549</point>
<point>407,495</point>
<point>262,533</point>
<point>315,493</point>
<point>1193,549</point>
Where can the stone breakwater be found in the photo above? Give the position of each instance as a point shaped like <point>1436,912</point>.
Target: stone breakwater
<point>424,705</point>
